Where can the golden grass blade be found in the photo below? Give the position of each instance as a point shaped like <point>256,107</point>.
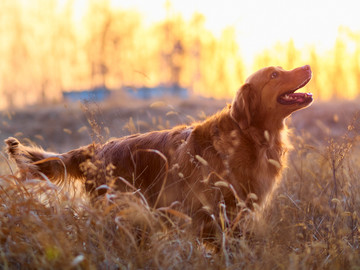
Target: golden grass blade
<point>157,152</point>
<point>176,213</point>
<point>275,163</point>
<point>46,160</point>
<point>7,162</point>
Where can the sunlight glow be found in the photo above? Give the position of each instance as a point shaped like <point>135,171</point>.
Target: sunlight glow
<point>209,47</point>
<point>261,23</point>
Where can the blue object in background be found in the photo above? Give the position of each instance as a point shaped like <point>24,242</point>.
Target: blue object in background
<point>96,94</point>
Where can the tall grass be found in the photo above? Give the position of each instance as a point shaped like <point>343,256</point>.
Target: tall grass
<point>311,222</point>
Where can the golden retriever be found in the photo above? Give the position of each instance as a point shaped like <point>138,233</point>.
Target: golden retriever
<point>212,168</point>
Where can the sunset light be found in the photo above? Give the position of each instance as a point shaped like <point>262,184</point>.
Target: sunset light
<point>52,46</point>
<point>259,23</point>
<point>180,134</point>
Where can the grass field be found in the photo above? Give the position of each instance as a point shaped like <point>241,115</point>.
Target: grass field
<point>311,222</point>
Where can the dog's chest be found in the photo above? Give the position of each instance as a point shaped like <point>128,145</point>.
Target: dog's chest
<point>255,163</point>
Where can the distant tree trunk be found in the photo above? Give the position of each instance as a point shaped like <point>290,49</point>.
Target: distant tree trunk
<point>43,89</point>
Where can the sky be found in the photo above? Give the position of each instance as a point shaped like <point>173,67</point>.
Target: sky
<point>261,23</point>
<point>258,24</point>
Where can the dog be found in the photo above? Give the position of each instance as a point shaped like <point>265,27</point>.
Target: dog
<point>211,169</point>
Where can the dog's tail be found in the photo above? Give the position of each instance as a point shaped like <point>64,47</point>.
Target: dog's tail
<point>35,163</point>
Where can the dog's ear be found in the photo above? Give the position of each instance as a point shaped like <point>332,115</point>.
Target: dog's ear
<point>243,106</point>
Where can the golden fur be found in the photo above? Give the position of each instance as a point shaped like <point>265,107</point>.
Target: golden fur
<point>236,152</point>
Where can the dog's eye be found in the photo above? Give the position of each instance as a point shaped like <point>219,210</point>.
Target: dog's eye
<point>274,75</point>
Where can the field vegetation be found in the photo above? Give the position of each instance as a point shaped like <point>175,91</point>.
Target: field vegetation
<point>311,221</point>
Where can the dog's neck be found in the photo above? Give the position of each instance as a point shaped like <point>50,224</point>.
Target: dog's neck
<point>264,133</point>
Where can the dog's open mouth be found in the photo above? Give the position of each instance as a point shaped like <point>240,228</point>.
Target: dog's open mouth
<point>291,97</point>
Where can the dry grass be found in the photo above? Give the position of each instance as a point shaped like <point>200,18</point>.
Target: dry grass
<point>312,221</point>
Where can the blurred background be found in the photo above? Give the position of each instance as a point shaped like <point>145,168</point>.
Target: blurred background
<point>50,49</point>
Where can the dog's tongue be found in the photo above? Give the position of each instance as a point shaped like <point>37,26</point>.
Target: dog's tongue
<point>295,98</point>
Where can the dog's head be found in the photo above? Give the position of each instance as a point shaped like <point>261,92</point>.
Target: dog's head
<point>269,96</point>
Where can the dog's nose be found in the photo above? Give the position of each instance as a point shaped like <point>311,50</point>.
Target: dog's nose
<point>306,67</point>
